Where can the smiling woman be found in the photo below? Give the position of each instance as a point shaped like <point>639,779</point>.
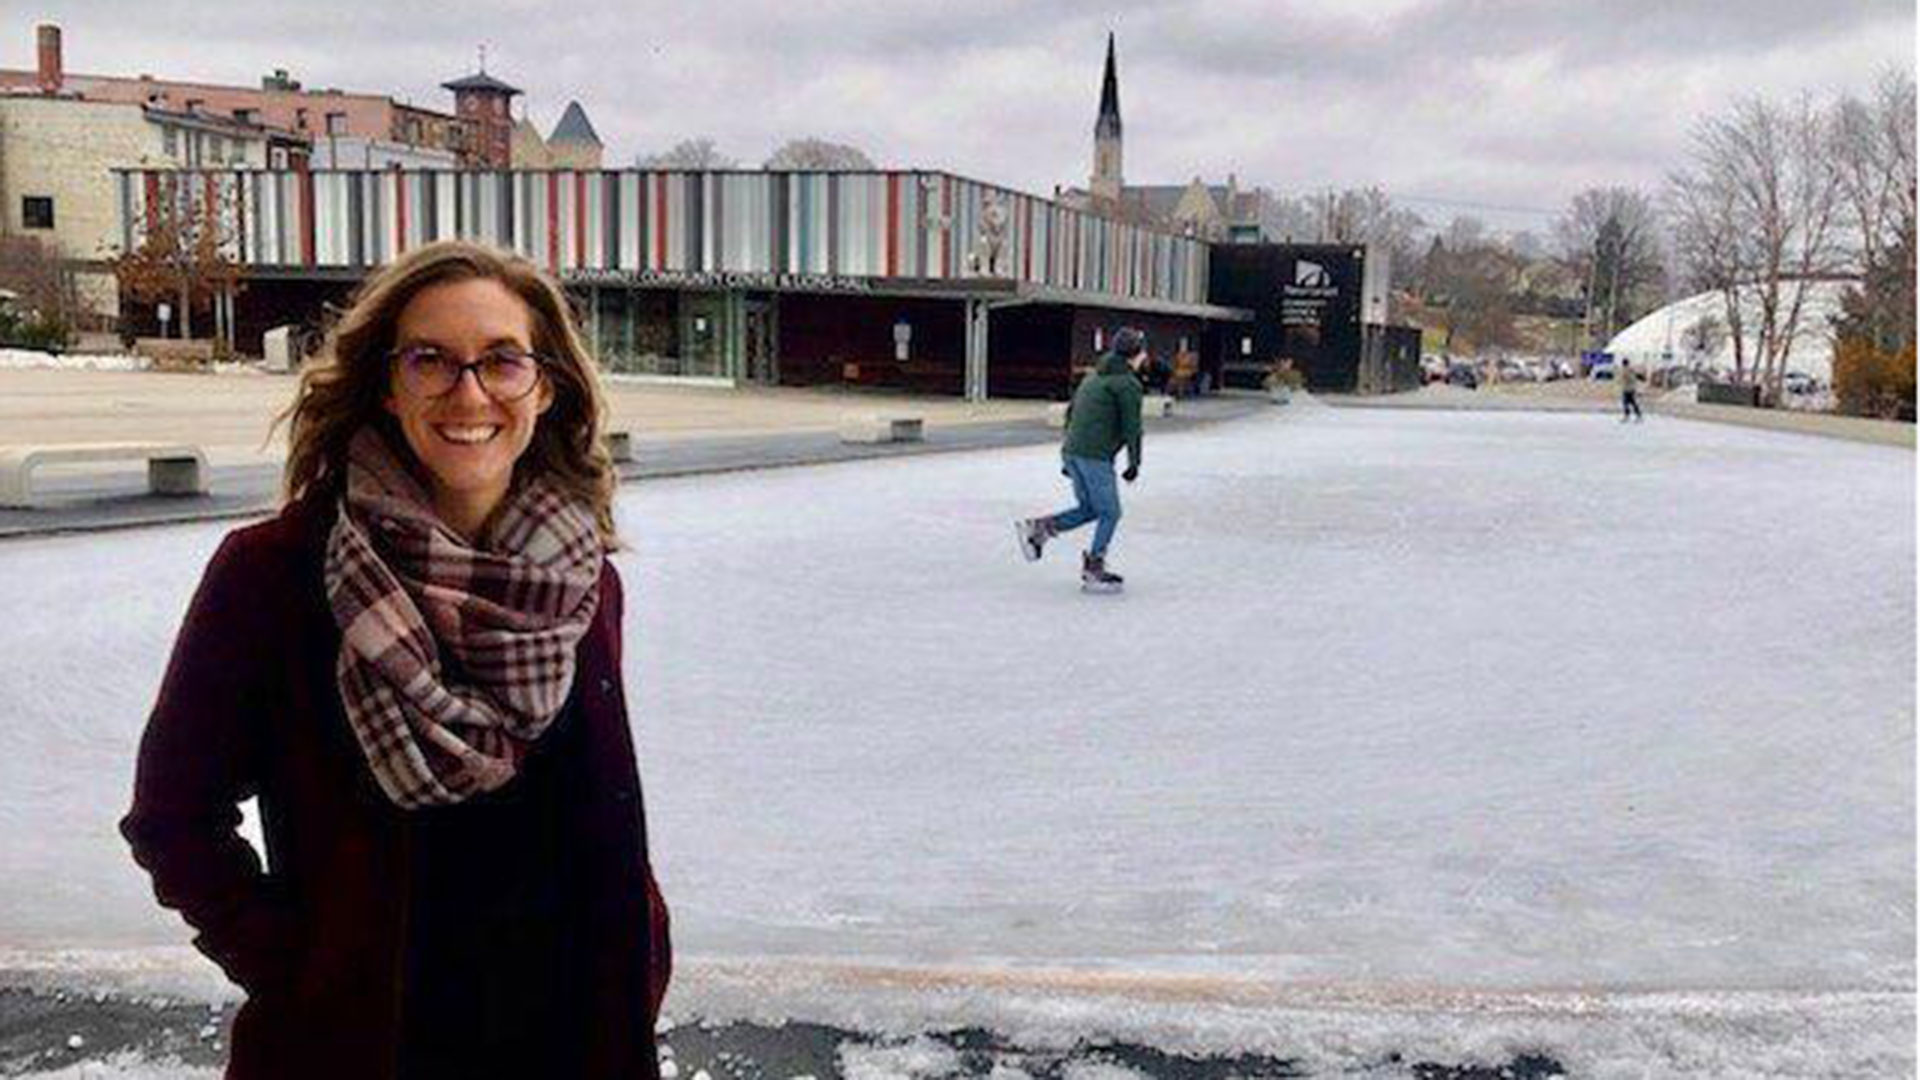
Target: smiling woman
<point>416,667</point>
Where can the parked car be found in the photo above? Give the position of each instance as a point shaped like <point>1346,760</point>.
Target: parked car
<point>1512,371</point>
<point>1602,371</point>
<point>1799,382</point>
<point>1463,375</point>
<point>1673,376</point>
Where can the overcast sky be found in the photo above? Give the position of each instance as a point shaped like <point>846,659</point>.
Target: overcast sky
<point>1501,103</point>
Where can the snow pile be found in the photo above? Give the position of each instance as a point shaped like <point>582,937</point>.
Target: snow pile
<point>17,359</point>
<point>126,1066</point>
<point>1332,1031</point>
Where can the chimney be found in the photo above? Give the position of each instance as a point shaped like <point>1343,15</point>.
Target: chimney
<point>51,75</point>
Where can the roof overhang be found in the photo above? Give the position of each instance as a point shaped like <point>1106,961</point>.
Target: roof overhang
<point>1003,290</point>
<point>1053,294</point>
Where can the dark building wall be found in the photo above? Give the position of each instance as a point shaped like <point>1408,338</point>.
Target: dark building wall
<point>1165,333</point>
<point>1306,304</point>
<point>1391,360</point>
<point>261,305</point>
<point>1028,350</point>
<point>821,335</point>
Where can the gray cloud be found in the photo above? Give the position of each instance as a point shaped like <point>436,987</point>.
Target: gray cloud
<point>1514,103</point>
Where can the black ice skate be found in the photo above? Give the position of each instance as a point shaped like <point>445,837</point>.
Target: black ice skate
<point>1095,578</point>
<point>1033,534</point>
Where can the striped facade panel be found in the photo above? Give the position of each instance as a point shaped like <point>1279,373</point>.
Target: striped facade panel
<point>740,223</point>
<point>330,220</point>
<point>564,211</point>
<point>632,223</point>
<point>518,200</point>
<point>905,225</point>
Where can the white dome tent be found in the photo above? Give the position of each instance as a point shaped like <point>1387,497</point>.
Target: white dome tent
<point>1664,336</point>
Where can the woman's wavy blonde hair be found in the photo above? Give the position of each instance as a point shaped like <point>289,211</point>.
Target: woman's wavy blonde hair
<point>344,388</point>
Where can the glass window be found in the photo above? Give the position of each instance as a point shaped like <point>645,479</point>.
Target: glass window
<point>703,335</point>
<point>36,211</point>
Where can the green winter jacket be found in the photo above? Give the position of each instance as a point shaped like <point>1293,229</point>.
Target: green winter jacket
<point>1105,413</point>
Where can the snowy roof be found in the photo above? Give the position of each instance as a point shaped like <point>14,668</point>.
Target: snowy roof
<point>1666,335</point>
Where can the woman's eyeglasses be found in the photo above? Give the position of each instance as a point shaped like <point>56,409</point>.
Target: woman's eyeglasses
<point>506,373</point>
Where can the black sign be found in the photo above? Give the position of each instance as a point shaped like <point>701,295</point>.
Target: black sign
<point>1306,302</point>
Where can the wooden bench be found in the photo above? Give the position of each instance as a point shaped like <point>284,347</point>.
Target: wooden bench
<point>172,468</point>
<point>881,428</point>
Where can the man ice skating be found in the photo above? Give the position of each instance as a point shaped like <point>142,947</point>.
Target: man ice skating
<point>1103,416</point>
<point>1629,393</point>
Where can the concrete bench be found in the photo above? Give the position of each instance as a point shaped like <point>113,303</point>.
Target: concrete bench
<point>881,428</point>
<point>1152,407</point>
<point>175,354</point>
<point>620,446</point>
<point>172,468</point>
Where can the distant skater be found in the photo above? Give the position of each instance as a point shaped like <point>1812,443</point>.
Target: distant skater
<point>1103,416</point>
<point>1629,393</point>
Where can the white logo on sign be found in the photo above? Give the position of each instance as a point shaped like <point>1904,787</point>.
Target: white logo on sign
<point>1310,275</point>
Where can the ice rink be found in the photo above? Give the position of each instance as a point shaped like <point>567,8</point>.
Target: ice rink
<point>1410,726</point>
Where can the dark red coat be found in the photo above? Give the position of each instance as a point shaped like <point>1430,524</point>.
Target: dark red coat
<point>250,707</point>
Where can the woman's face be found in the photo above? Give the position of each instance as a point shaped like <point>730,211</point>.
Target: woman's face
<point>468,436</point>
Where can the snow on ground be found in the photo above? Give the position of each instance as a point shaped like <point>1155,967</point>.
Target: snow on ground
<point>32,358</point>
<point>21,359</point>
<point>1415,732</point>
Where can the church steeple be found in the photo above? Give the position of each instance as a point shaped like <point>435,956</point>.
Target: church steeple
<point>1106,180</point>
<point>1109,122</point>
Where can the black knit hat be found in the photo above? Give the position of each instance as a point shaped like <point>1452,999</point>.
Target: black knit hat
<point>1128,343</point>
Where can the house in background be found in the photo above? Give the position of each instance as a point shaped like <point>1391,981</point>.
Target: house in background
<point>573,144</point>
<point>62,135</point>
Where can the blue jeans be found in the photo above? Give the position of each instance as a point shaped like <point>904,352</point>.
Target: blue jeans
<point>1096,495</point>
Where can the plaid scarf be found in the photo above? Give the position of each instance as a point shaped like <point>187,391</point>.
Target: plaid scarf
<point>454,657</point>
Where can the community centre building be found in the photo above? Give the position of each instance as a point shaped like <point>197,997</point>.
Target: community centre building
<point>911,279</point>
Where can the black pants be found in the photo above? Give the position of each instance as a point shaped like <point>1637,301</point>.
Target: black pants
<point>1630,406</point>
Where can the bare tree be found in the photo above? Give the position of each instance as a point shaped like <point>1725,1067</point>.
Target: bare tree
<point>1608,238</point>
<point>1356,215</point>
<point>44,304</point>
<point>1473,290</point>
<point>1872,148</point>
<point>697,153</point>
<point>812,154</point>
<point>1756,212</point>
<point>1703,338</point>
<point>183,248</point>
<point>1464,232</point>
<point>1290,220</point>
<point>1369,216</point>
